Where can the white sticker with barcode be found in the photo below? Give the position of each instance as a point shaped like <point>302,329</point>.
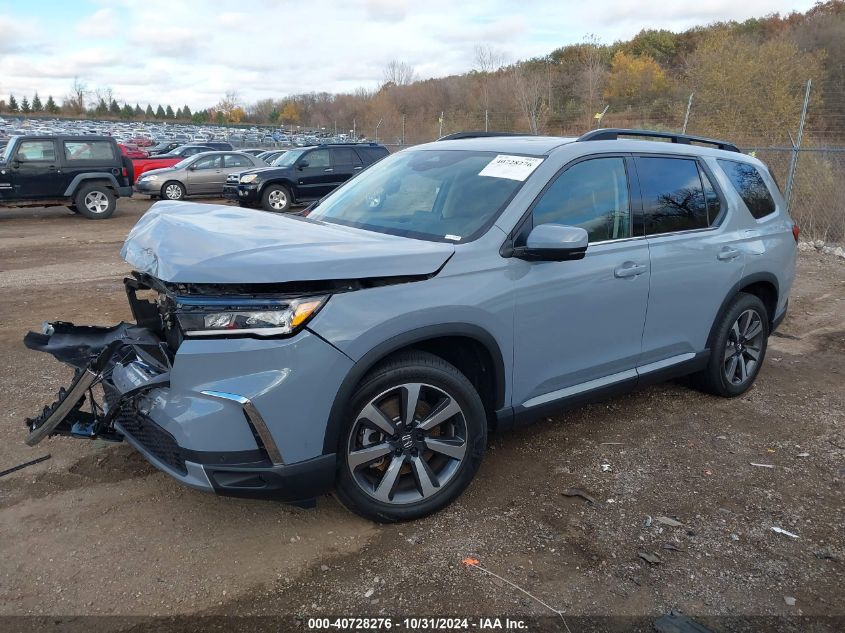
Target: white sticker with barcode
<point>511,167</point>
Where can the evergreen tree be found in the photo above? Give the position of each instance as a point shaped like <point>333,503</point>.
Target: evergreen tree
<point>51,106</point>
<point>138,112</point>
<point>148,113</point>
<point>126,111</point>
<point>186,112</point>
<point>160,112</point>
<point>169,112</point>
<point>114,108</point>
<point>36,104</point>
<point>102,108</point>
<point>25,105</point>
<point>13,104</point>
<point>179,113</point>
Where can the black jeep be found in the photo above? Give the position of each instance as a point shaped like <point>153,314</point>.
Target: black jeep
<point>84,173</point>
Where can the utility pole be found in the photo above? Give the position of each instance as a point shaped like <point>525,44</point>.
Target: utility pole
<point>686,116</point>
<point>486,120</point>
<point>377,126</point>
<point>403,129</point>
<point>440,133</point>
<point>796,147</point>
<point>600,116</point>
<point>353,130</point>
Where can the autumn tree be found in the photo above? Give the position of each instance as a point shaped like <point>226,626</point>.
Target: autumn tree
<point>749,90</point>
<point>289,114</point>
<point>635,80</point>
<point>529,87</point>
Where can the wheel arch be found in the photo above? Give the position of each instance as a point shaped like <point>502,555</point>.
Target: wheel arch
<point>80,180</point>
<point>285,182</point>
<point>765,286</point>
<point>470,348</point>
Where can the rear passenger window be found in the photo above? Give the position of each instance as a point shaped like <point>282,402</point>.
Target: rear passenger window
<point>89,150</point>
<point>233,160</point>
<point>673,196</point>
<point>592,194</point>
<point>345,156</point>
<point>751,187</point>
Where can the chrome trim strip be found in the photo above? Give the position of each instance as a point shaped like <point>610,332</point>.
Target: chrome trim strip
<point>263,331</point>
<point>255,419</point>
<point>666,362</point>
<point>584,386</point>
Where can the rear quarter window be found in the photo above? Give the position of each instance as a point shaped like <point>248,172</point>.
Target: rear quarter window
<point>89,150</point>
<point>750,186</point>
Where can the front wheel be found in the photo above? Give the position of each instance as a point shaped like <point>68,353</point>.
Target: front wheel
<point>415,437</point>
<point>276,198</point>
<point>738,350</point>
<point>173,190</point>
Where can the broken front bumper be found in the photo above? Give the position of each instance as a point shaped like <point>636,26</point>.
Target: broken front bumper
<point>196,414</point>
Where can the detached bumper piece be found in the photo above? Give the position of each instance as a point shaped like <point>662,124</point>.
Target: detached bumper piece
<point>126,360</point>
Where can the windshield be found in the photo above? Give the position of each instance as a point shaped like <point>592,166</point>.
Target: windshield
<point>288,158</point>
<point>7,151</point>
<point>278,160</point>
<point>183,163</point>
<point>428,194</point>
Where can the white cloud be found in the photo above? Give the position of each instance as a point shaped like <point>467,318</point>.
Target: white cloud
<point>192,52</point>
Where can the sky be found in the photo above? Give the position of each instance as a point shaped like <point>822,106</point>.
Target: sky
<point>193,51</point>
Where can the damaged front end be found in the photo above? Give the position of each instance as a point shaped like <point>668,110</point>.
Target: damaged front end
<point>115,368</point>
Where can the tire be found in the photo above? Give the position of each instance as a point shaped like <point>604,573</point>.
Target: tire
<point>740,335</point>
<point>73,208</point>
<point>95,201</point>
<point>402,476</point>
<point>276,198</point>
<point>173,190</point>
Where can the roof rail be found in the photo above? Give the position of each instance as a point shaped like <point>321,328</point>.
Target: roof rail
<point>611,134</point>
<point>460,135</point>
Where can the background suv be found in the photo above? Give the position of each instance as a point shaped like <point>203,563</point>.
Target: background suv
<point>84,173</point>
<point>302,175</point>
<point>462,285</point>
<point>200,174</point>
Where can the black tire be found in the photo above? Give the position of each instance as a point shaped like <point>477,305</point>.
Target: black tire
<point>276,198</point>
<point>732,367</point>
<point>441,388</point>
<point>95,201</point>
<point>173,190</point>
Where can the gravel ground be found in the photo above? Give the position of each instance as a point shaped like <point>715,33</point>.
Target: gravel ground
<point>679,518</point>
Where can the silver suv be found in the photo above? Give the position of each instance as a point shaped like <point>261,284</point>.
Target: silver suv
<point>368,345</point>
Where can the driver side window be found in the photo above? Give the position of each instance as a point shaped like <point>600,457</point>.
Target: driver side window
<point>592,194</point>
<point>318,158</point>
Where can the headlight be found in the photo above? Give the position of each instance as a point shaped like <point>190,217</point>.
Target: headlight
<point>256,317</point>
<point>153,177</point>
<point>248,178</point>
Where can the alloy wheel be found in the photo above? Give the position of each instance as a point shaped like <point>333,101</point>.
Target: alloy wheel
<point>97,202</point>
<point>743,348</point>
<point>173,192</point>
<point>407,443</point>
<point>277,199</point>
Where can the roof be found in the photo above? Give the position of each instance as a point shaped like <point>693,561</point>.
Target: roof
<point>532,145</point>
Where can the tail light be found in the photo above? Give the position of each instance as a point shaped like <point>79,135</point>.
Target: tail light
<point>796,231</point>
<point>126,174</point>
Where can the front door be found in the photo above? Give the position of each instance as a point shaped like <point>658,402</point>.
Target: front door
<point>35,170</point>
<point>696,256</point>
<point>232,164</point>
<point>317,178</point>
<point>578,324</point>
<point>206,175</point>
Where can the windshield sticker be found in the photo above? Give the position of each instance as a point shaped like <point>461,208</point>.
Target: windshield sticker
<point>454,238</point>
<point>511,167</point>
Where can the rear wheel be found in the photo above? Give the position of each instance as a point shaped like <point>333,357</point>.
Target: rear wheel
<point>173,190</point>
<point>738,350</point>
<point>95,201</point>
<point>276,198</point>
<point>415,437</point>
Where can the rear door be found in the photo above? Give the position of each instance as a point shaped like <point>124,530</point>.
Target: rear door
<point>81,156</point>
<point>35,170</point>
<point>345,163</point>
<point>696,256</point>
<point>317,178</point>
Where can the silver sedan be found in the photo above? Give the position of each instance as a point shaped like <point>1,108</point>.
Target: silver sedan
<point>202,174</point>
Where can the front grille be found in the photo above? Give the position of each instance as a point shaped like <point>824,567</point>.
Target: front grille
<point>232,179</point>
<point>152,437</point>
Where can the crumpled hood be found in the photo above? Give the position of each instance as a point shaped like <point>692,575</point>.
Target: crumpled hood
<point>190,242</point>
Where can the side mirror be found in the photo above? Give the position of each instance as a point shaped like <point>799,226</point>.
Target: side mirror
<point>554,243</point>
<point>192,167</point>
<point>302,164</point>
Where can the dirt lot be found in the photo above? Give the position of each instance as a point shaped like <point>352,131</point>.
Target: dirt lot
<point>95,530</point>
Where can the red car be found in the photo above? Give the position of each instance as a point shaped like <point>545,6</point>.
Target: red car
<point>132,151</point>
<point>141,141</point>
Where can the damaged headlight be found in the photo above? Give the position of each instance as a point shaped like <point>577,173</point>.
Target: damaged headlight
<point>257,318</point>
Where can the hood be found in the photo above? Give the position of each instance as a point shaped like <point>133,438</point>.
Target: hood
<point>157,170</point>
<point>190,242</point>
<point>269,171</point>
